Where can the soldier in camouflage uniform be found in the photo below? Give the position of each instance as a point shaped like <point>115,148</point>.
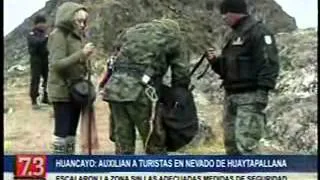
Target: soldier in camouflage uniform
<point>147,51</point>
<point>248,67</point>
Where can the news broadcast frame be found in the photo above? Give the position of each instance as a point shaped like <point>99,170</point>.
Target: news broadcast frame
<point>27,153</point>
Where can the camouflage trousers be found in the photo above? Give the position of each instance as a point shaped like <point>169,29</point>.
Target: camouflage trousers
<point>125,117</point>
<point>244,121</point>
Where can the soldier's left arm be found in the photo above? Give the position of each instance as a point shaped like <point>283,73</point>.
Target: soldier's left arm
<point>180,65</point>
<point>265,55</point>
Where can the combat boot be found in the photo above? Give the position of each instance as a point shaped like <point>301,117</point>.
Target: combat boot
<point>59,146</point>
<point>71,145</point>
<point>35,105</point>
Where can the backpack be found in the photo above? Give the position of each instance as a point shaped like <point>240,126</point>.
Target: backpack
<point>178,114</point>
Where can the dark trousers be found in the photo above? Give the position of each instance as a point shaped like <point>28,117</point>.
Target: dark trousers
<point>66,116</point>
<point>39,68</point>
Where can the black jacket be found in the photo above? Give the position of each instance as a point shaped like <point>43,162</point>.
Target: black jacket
<point>249,60</point>
<point>37,43</point>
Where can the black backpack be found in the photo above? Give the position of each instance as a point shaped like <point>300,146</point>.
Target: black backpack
<point>179,116</point>
<point>179,113</point>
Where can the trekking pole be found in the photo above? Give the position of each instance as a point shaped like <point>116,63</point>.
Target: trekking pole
<point>89,106</point>
<point>89,110</point>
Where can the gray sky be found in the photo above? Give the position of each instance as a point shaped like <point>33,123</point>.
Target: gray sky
<point>15,11</point>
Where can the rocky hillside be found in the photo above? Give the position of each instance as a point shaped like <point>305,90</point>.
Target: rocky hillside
<point>293,106</point>
<point>200,21</point>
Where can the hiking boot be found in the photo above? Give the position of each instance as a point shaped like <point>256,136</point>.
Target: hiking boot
<point>36,106</point>
<point>59,146</point>
<point>71,145</point>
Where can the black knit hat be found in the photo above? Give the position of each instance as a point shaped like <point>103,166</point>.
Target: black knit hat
<point>39,19</point>
<point>234,6</point>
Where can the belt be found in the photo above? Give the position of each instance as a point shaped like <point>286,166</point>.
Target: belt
<point>136,70</point>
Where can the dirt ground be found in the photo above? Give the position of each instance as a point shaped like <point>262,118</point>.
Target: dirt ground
<point>30,131</point>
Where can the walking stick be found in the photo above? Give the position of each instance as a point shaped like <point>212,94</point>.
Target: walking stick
<point>87,36</point>
<point>89,110</point>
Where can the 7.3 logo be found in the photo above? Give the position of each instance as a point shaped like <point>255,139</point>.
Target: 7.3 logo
<point>30,166</point>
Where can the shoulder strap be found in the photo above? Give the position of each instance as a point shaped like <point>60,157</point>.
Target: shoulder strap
<point>197,65</point>
<point>250,26</point>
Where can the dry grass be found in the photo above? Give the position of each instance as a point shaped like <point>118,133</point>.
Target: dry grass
<point>213,116</point>
<point>213,147</point>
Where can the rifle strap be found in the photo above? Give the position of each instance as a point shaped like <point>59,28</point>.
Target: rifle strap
<point>197,65</point>
<point>204,72</point>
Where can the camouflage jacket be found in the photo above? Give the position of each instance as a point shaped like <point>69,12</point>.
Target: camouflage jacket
<point>148,48</point>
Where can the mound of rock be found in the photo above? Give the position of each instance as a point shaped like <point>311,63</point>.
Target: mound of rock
<point>293,107</point>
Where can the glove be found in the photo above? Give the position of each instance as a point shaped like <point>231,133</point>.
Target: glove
<point>211,55</point>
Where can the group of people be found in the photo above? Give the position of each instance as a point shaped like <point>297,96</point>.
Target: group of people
<point>248,66</point>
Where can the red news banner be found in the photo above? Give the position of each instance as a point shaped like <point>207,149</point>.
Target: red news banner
<point>30,167</point>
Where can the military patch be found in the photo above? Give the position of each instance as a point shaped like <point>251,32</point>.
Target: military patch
<point>238,41</point>
<point>267,39</point>
<point>145,79</point>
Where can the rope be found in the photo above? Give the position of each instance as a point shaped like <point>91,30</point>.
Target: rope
<point>152,95</point>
